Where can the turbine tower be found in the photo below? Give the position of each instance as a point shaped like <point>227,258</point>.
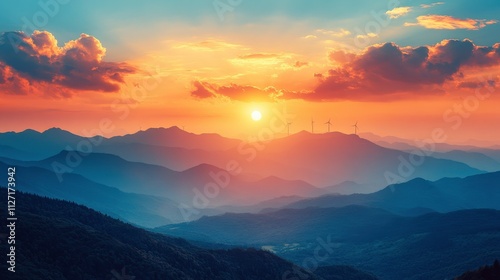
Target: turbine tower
<point>288,126</point>
<point>312,125</point>
<point>356,128</point>
<point>329,124</point>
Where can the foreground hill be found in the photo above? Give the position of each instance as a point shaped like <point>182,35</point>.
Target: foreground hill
<point>61,240</point>
<point>433,246</point>
<point>483,273</point>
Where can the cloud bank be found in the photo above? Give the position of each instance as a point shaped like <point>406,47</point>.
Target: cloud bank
<point>36,63</point>
<point>381,72</point>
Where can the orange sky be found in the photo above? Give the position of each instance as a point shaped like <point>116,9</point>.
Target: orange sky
<point>207,75</point>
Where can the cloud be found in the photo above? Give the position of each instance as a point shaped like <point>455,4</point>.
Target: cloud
<point>388,69</point>
<point>398,12</point>
<point>35,62</point>
<point>382,72</point>
<point>260,56</point>
<point>449,22</point>
<point>204,90</point>
<point>209,45</point>
<point>427,6</point>
<point>299,64</point>
<point>367,35</point>
<point>261,59</point>
<point>334,33</point>
<point>476,84</point>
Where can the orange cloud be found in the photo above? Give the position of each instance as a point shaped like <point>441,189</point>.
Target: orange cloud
<point>35,63</point>
<point>259,56</point>
<point>299,64</point>
<point>449,22</point>
<point>248,93</point>
<point>398,12</point>
<point>209,45</point>
<point>381,72</point>
<point>339,33</point>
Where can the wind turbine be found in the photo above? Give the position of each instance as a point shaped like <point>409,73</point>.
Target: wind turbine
<point>356,128</point>
<point>312,125</point>
<point>329,124</point>
<point>288,126</point>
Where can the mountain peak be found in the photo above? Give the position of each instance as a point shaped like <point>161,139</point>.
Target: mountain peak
<point>28,131</point>
<point>53,129</point>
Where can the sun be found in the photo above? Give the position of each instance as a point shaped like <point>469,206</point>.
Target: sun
<point>256,115</point>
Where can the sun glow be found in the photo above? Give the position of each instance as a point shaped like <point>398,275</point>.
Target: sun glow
<point>256,115</point>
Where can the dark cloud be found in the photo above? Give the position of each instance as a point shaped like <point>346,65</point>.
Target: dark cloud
<point>39,61</point>
<point>389,69</point>
<point>202,90</point>
<point>475,84</point>
<point>299,64</point>
<point>381,72</point>
<point>235,92</point>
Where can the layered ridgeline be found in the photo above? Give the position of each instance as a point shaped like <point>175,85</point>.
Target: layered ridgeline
<point>420,196</point>
<point>318,159</point>
<point>61,240</point>
<point>432,246</point>
<point>182,186</point>
<point>402,238</point>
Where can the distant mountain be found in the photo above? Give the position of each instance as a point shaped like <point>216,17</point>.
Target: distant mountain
<point>350,187</point>
<point>176,137</point>
<point>318,159</point>
<point>171,142</point>
<point>143,210</point>
<point>433,246</point>
<point>199,185</point>
<point>61,240</point>
<point>448,194</point>
<point>410,144</point>
<point>38,145</point>
<point>484,273</point>
<point>483,157</point>
<point>473,159</point>
<point>492,153</point>
<point>332,158</point>
<point>7,151</point>
<point>174,158</point>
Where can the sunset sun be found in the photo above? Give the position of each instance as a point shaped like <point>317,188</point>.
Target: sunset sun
<point>256,115</point>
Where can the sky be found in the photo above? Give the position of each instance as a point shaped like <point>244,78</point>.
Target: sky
<point>400,68</point>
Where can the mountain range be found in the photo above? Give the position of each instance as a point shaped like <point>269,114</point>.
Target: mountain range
<point>318,159</point>
<point>389,246</point>
<point>444,195</point>
<point>54,235</point>
<point>371,203</point>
